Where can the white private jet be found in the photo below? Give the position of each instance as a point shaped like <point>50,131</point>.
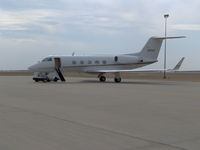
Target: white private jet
<point>102,64</point>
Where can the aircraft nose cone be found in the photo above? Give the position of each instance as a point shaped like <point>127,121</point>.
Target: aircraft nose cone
<point>33,67</point>
<point>30,68</point>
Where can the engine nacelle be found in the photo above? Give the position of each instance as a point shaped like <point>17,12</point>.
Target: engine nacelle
<point>123,59</point>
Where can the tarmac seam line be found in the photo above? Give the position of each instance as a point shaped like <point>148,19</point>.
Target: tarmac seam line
<point>96,127</point>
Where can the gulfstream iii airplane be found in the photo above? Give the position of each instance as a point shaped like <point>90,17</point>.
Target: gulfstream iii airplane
<point>101,65</point>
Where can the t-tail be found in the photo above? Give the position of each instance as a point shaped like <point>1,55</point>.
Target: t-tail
<point>152,48</point>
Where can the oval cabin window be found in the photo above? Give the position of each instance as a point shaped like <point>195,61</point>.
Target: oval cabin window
<point>104,62</point>
<point>96,62</point>
<point>116,58</point>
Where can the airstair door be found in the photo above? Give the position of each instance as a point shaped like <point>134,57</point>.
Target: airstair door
<point>57,62</point>
<point>58,67</point>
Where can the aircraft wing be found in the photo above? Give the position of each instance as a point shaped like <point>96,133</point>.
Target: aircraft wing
<point>175,69</point>
<point>137,71</point>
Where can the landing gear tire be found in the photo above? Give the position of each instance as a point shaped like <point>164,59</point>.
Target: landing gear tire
<point>117,80</point>
<point>102,78</point>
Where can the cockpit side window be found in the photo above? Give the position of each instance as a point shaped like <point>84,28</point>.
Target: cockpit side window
<point>44,60</point>
<point>50,59</point>
<point>47,59</point>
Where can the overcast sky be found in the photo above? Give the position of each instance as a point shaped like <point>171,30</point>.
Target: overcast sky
<point>33,29</point>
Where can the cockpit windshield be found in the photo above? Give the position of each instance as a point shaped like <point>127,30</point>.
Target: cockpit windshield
<point>47,59</point>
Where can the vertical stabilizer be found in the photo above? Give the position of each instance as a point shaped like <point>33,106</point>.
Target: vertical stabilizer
<point>152,48</point>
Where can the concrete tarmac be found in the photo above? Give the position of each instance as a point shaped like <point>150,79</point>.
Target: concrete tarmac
<point>83,114</point>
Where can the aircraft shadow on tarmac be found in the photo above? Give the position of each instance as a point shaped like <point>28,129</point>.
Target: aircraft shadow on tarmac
<point>112,82</point>
<point>130,82</point>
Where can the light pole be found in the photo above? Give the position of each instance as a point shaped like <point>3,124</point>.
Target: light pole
<point>165,52</point>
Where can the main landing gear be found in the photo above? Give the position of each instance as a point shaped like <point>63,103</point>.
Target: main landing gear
<point>101,77</point>
<point>117,77</point>
<point>117,80</point>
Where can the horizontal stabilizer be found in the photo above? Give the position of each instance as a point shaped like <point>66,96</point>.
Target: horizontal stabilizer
<point>170,37</point>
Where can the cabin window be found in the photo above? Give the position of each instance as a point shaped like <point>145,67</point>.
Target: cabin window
<point>96,62</point>
<point>104,62</point>
<point>81,62</point>
<point>89,62</point>
<point>74,62</point>
<point>116,58</point>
